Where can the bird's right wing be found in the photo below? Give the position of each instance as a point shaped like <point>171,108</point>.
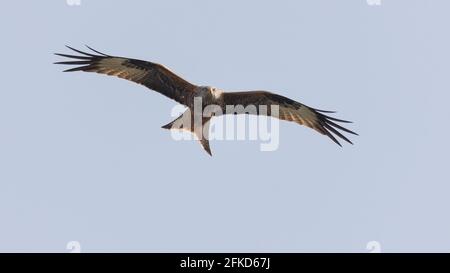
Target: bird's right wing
<point>152,75</point>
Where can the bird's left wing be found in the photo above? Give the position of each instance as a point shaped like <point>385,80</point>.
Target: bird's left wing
<point>152,75</point>
<point>289,110</point>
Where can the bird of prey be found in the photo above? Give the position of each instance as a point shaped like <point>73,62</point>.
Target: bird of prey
<point>160,79</point>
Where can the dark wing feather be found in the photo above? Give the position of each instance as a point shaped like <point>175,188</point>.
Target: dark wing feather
<point>152,75</point>
<point>290,110</point>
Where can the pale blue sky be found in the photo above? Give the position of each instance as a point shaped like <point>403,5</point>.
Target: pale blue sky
<point>83,157</point>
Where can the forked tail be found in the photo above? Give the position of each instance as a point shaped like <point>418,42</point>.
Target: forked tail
<point>187,123</point>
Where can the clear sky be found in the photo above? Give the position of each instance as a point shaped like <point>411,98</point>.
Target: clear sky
<point>83,157</point>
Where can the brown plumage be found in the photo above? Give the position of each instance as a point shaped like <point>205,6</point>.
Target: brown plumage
<point>159,78</point>
<point>152,75</point>
<point>291,110</point>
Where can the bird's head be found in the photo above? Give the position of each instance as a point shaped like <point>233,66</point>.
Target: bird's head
<point>209,94</point>
<point>216,92</point>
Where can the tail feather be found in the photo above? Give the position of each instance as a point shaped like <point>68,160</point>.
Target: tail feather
<point>200,132</point>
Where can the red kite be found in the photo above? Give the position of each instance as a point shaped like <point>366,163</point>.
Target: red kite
<point>160,79</point>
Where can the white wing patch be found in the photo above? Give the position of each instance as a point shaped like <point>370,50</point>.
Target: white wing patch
<point>115,67</point>
<point>302,116</point>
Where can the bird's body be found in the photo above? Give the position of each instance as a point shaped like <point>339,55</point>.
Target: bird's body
<point>159,78</point>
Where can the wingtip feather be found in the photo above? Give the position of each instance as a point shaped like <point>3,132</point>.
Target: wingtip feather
<point>96,51</point>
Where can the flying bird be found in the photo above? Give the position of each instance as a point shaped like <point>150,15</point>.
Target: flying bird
<point>159,78</point>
